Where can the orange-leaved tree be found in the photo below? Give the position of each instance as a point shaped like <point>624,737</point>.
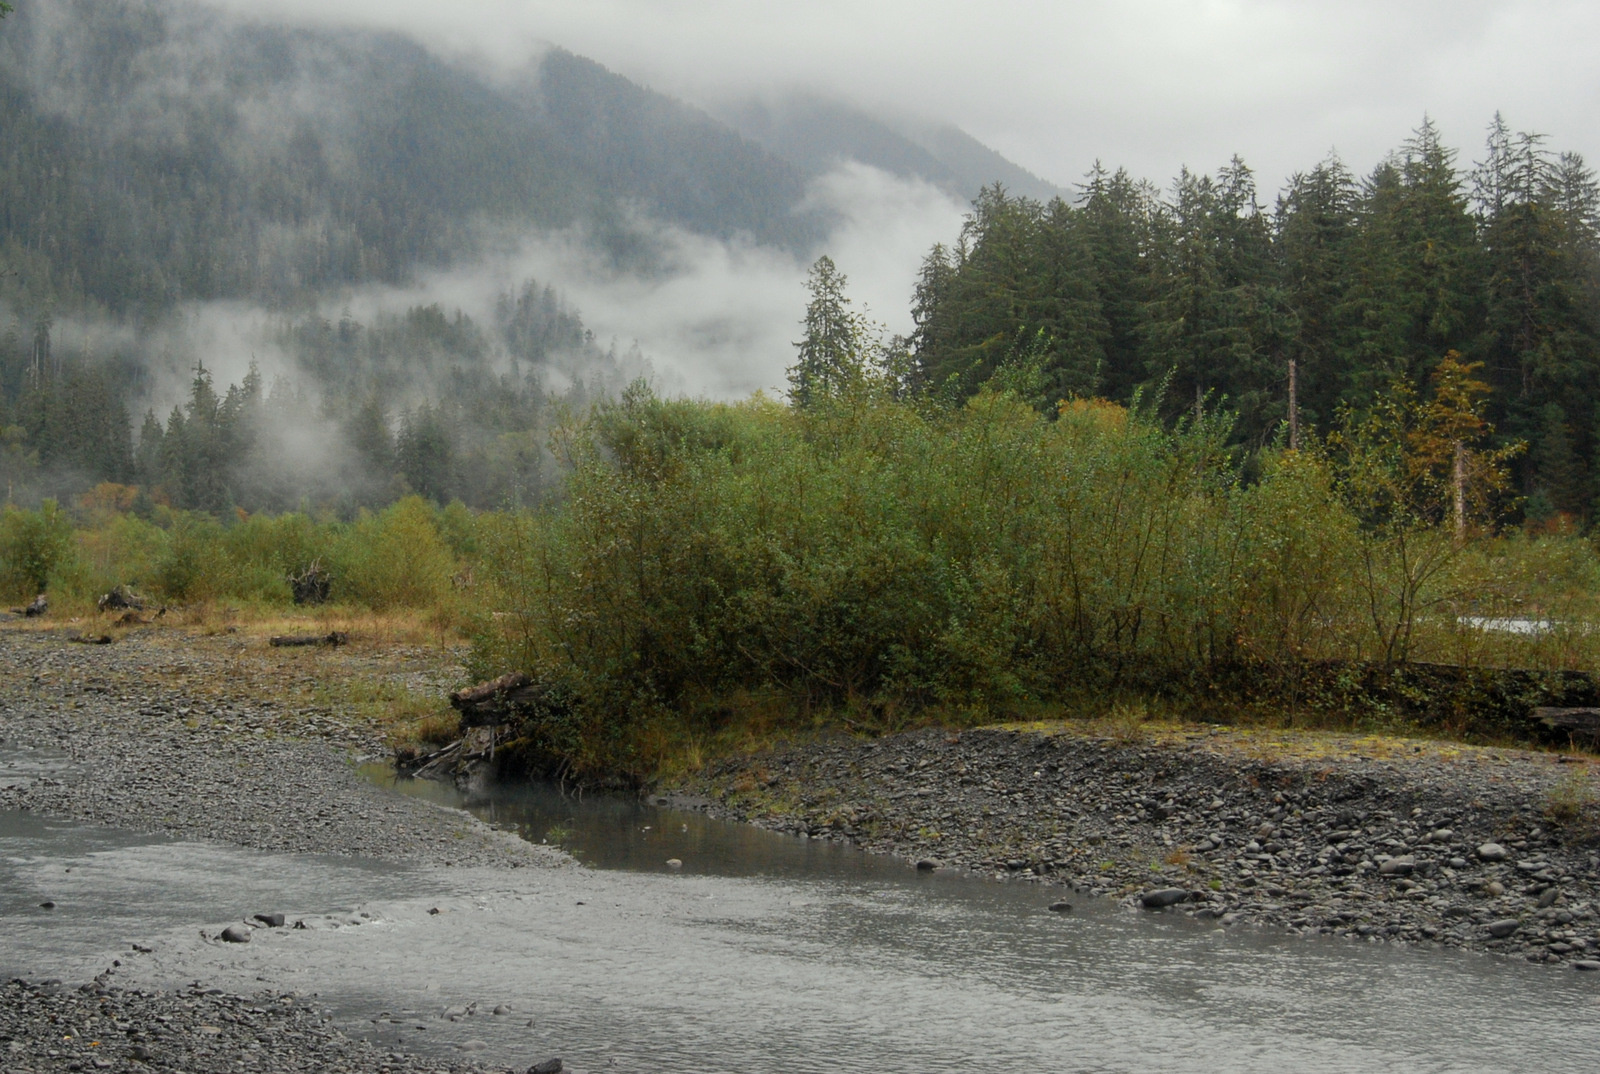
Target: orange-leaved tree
<point>1419,474</point>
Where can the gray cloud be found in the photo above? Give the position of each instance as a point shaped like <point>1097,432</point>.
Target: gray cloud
<point>1152,84</point>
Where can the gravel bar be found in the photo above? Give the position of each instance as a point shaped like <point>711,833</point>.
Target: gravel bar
<point>1373,839</point>
<point>212,738</point>
<point>187,737</point>
<point>50,1027</point>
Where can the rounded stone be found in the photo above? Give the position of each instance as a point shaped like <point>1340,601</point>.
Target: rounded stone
<point>1159,897</point>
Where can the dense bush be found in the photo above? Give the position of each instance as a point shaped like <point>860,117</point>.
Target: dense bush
<point>871,558</point>
<point>394,559</point>
<point>36,547</point>
<point>405,557</point>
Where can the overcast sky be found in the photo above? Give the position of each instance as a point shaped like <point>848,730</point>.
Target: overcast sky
<point>1152,84</point>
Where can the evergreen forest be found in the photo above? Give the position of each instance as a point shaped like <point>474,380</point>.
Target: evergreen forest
<point>1341,291</point>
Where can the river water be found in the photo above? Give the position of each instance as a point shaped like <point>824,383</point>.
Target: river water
<point>763,953</point>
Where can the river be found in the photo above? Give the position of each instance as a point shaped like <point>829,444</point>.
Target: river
<point>762,953</point>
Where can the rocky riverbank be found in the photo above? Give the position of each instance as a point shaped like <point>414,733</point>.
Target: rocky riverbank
<point>211,738</point>
<point>1373,839</point>
<point>50,1027</point>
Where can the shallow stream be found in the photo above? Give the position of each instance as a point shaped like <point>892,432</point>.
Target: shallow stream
<point>763,953</point>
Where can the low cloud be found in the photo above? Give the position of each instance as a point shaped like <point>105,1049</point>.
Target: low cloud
<point>720,319</point>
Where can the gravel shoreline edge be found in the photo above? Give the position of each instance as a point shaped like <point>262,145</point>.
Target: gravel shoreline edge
<point>1441,845</point>
<point>159,735</point>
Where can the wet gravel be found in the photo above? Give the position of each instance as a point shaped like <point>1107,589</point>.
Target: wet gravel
<point>206,738</point>
<point>1422,843</point>
<point>168,735</point>
<point>50,1027</point>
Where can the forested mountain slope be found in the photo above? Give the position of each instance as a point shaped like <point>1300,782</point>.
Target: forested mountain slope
<point>817,134</point>
<point>152,151</point>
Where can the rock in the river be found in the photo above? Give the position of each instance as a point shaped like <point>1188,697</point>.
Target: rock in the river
<point>674,863</point>
<point>927,865</point>
<point>1493,852</point>
<point>1061,908</point>
<point>1504,927</point>
<point>549,1066</point>
<point>501,1009</point>
<point>236,934</point>
<point>1156,899</point>
<point>1404,865</point>
<point>272,921</point>
<point>1586,964</point>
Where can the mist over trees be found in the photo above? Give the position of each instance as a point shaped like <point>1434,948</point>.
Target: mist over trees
<point>156,156</point>
<point>418,401</point>
<point>157,152</point>
<point>1211,298</point>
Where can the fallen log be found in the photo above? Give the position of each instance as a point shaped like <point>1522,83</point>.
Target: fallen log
<point>502,700</point>
<point>91,639</point>
<point>1581,724</point>
<point>119,599</point>
<point>40,605</point>
<point>332,640</point>
<point>473,752</point>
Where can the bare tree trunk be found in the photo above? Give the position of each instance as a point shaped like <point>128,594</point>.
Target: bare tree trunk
<point>1294,406</point>
<point>1459,490</point>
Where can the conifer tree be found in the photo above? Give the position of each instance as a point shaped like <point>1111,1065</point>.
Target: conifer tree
<point>833,351</point>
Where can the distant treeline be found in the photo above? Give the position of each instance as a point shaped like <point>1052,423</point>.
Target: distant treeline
<point>421,402</point>
<point>1353,283</point>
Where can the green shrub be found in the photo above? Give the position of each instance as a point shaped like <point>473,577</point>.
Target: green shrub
<point>194,565</point>
<point>36,547</point>
<point>395,559</point>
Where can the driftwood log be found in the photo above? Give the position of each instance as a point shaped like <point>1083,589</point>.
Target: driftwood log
<point>119,599</point>
<point>471,752</point>
<point>1582,725</point>
<point>504,699</point>
<point>282,641</point>
<point>313,585</point>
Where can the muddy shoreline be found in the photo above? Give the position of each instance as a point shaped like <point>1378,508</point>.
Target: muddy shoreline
<point>1423,843</point>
